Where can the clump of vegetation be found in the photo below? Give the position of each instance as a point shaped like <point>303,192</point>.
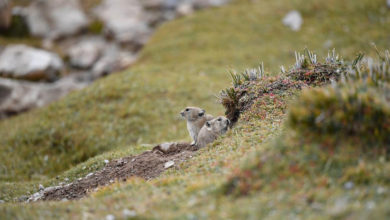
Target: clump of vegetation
<point>334,136</point>
<point>251,86</point>
<point>310,71</point>
<point>357,108</point>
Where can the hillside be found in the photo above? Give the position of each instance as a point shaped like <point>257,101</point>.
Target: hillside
<point>185,63</point>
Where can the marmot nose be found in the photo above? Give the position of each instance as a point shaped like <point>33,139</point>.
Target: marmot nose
<point>182,113</point>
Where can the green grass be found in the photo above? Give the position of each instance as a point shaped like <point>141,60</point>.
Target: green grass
<point>185,63</point>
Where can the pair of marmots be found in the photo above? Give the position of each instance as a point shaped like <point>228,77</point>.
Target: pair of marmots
<point>204,128</point>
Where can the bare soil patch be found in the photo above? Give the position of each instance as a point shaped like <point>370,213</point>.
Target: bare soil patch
<point>148,165</point>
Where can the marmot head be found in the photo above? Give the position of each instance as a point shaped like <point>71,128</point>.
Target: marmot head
<point>218,125</point>
<point>192,113</point>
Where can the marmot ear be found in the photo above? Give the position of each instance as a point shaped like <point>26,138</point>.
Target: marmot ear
<point>201,113</point>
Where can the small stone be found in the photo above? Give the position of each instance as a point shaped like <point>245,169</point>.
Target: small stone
<point>79,179</point>
<point>129,213</point>
<point>106,161</point>
<point>2,201</point>
<point>46,158</point>
<point>41,187</point>
<point>66,179</point>
<point>110,217</point>
<point>88,175</point>
<point>169,164</point>
<point>380,190</point>
<point>84,167</point>
<point>294,20</point>
<point>349,185</point>
<point>111,181</point>
<point>64,200</point>
<point>370,205</point>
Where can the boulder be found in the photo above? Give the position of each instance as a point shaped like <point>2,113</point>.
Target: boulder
<point>112,60</point>
<point>19,96</point>
<point>55,18</point>
<point>125,20</point>
<point>23,62</point>
<point>86,52</point>
<point>5,14</point>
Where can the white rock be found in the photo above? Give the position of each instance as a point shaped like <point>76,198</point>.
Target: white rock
<point>23,62</point>
<point>200,4</point>
<point>169,164</point>
<point>106,161</point>
<point>88,175</point>
<point>349,185</point>
<point>86,52</point>
<point>66,179</point>
<point>110,217</point>
<point>41,187</point>
<point>185,8</point>
<point>370,205</point>
<point>294,20</point>
<point>55,18</point>
<point>128,213</point>
<point>165,146</point>
<point>19,96</point>
<point>126,20</point>
<point>2,201</point>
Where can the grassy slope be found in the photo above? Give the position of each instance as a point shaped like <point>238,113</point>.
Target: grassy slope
<point>181,67</point>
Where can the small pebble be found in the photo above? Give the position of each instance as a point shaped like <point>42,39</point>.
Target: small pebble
<point>110,217</point>
<point>349,185</point>
<point>106,161</point>
<point>169,164</point>
<point>129,213</point>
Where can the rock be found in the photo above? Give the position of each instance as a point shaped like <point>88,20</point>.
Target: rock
<point>349,185</point>
<point>169,164</point>
<point>110,217</point>
<point>200,4</point>
<point>184,9</point>
<point>86,52</point>
<point>23,62</point>
<point>128,213</point>
<point>19,96</point>
<point>112,60</point>
<point>55,18</point>
<point>5,14</point>
<point>41,187</point>
<point>2,201</point>
<point>294,20</point>
<point>106,161</point>
<point>125,20</point>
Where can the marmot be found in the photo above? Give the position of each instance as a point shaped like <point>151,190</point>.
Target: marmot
<point>211,130</point>
<point>196,117</point>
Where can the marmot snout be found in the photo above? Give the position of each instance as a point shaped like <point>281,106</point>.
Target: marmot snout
<point>211,130</point>
<point>196,117</point>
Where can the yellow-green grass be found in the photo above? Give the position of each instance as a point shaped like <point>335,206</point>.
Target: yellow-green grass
<point>185,63</point>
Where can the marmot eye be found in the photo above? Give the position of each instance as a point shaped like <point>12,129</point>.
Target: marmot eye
<point>219,119</point>
<point>187,109</point>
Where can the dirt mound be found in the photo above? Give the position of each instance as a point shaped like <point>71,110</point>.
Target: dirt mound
<point>148,165</point>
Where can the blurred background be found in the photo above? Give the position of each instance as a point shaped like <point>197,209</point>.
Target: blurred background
<point>49,48</point>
